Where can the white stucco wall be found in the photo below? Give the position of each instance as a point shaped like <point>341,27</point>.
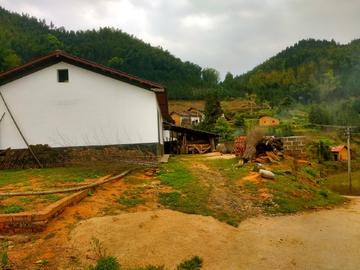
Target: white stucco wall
<point>90,109</point>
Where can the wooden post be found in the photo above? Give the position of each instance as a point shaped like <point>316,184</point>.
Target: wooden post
<point>349,156</point>
<point>31,151</point>
<point>212,144</point>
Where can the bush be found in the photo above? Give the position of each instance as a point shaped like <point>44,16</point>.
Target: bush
<point>193,264</point>
<point>223,128</point>
<point>107,263</point>
<point>239,122</point>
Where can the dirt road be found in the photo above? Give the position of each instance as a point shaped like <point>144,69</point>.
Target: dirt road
<point>326,239</point>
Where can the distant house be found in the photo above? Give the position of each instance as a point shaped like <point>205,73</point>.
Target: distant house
<point>339,152</point>
<point>65,101</point>
<point>199,112</point>
<point>187,118</point>
<point>268,121</point>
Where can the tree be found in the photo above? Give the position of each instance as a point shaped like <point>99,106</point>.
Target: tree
<point>116,62</point>
<point>323,149</point>
<point>346,115</point>
<point>223,128</point>
<point>52,44</point>
<point>286,102</point>
<point>12,61</point>
<point>239,122</point>
<point>212,112</point>
<point>319,114</point>
<point>210,75</point>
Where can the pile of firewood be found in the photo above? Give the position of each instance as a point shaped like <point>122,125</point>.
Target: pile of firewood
<point>253,138</point>
<point>264,150</point>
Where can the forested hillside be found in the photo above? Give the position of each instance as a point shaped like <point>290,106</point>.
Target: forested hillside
<point>24,38</point>
<point>310,71</point>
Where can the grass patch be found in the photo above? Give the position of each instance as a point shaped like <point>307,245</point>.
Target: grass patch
<point>13,208</point>
<point>130,179</point>
<point>175,174</point>
<point>229,169</point>
<point>51,235</point>
<point>28,199</point>
<point>50,175</point>
<point>340,183</point>
<point>292,196</point>
<point>50,198</point>
<point>129,202</point>
<point>252,187</point>
<point>195,196</point>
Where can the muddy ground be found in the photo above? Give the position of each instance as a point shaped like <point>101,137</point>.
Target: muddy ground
<point>149,234</point>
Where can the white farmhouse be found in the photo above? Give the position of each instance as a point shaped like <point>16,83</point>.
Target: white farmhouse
<point>65,101</point>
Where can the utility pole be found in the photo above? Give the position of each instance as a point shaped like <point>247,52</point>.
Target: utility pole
<point>349,156</point>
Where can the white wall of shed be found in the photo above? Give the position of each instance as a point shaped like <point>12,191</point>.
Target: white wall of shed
<point>91,109</point>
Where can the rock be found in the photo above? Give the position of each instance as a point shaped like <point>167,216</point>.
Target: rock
<point>266,174</point>
<point>150,172</point>
<point>221,148</point>
<point>240,163</point>
<point>258,166</point>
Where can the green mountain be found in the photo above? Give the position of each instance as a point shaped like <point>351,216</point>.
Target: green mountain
<point>24,38</point>
<point>310,71</point>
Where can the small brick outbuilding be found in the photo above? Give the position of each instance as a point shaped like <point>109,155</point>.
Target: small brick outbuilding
<point>268,121</point>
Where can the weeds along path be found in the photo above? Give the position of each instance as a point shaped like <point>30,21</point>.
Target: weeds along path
<point>226,198</point>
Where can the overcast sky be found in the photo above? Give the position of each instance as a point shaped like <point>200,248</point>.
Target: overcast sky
<point>228,35</point>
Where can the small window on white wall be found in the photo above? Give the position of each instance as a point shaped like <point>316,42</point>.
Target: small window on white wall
<point>63,75</point>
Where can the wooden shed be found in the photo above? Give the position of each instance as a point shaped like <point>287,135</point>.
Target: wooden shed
<point>190,141</point>
<point>339,152</point>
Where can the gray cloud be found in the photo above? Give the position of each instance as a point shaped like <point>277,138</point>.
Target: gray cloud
<point>231,35</point>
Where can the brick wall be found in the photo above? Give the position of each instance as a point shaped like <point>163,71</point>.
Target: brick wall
<point>36,221</point>
<point>294,146</point>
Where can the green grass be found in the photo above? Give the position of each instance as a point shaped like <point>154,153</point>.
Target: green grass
<point>50,198</point>
<point>252,187</point>
<point>48,175</point>
<point>195,196</point>
<point>13,208</point>
<point>340,183</point>
<point>129,202</point>
<point>291,197</point>
<point>229,169</point>
<point>191,197</point>
<point>28,199</point>
<point>176,175</point>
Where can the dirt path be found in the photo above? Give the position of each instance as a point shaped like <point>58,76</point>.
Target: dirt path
<point>327,239</point>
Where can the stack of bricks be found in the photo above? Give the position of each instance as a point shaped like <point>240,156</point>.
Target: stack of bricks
<point>294,146</point>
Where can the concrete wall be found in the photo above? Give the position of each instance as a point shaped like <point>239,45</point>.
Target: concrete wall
<point>294,146</point>
<point>89,110</point>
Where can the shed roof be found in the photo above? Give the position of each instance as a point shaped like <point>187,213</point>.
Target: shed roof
<point>189,131</point>
<point>58,56</point>
<point>200,109</point>
<point>185,114</point>
<point>337,149</point>
<point>268,116</point>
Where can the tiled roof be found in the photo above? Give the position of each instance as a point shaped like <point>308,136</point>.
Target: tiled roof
<point>58,56</point>
<point>198,109</point>
<point>336,149</point>
<point>185,114</point>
